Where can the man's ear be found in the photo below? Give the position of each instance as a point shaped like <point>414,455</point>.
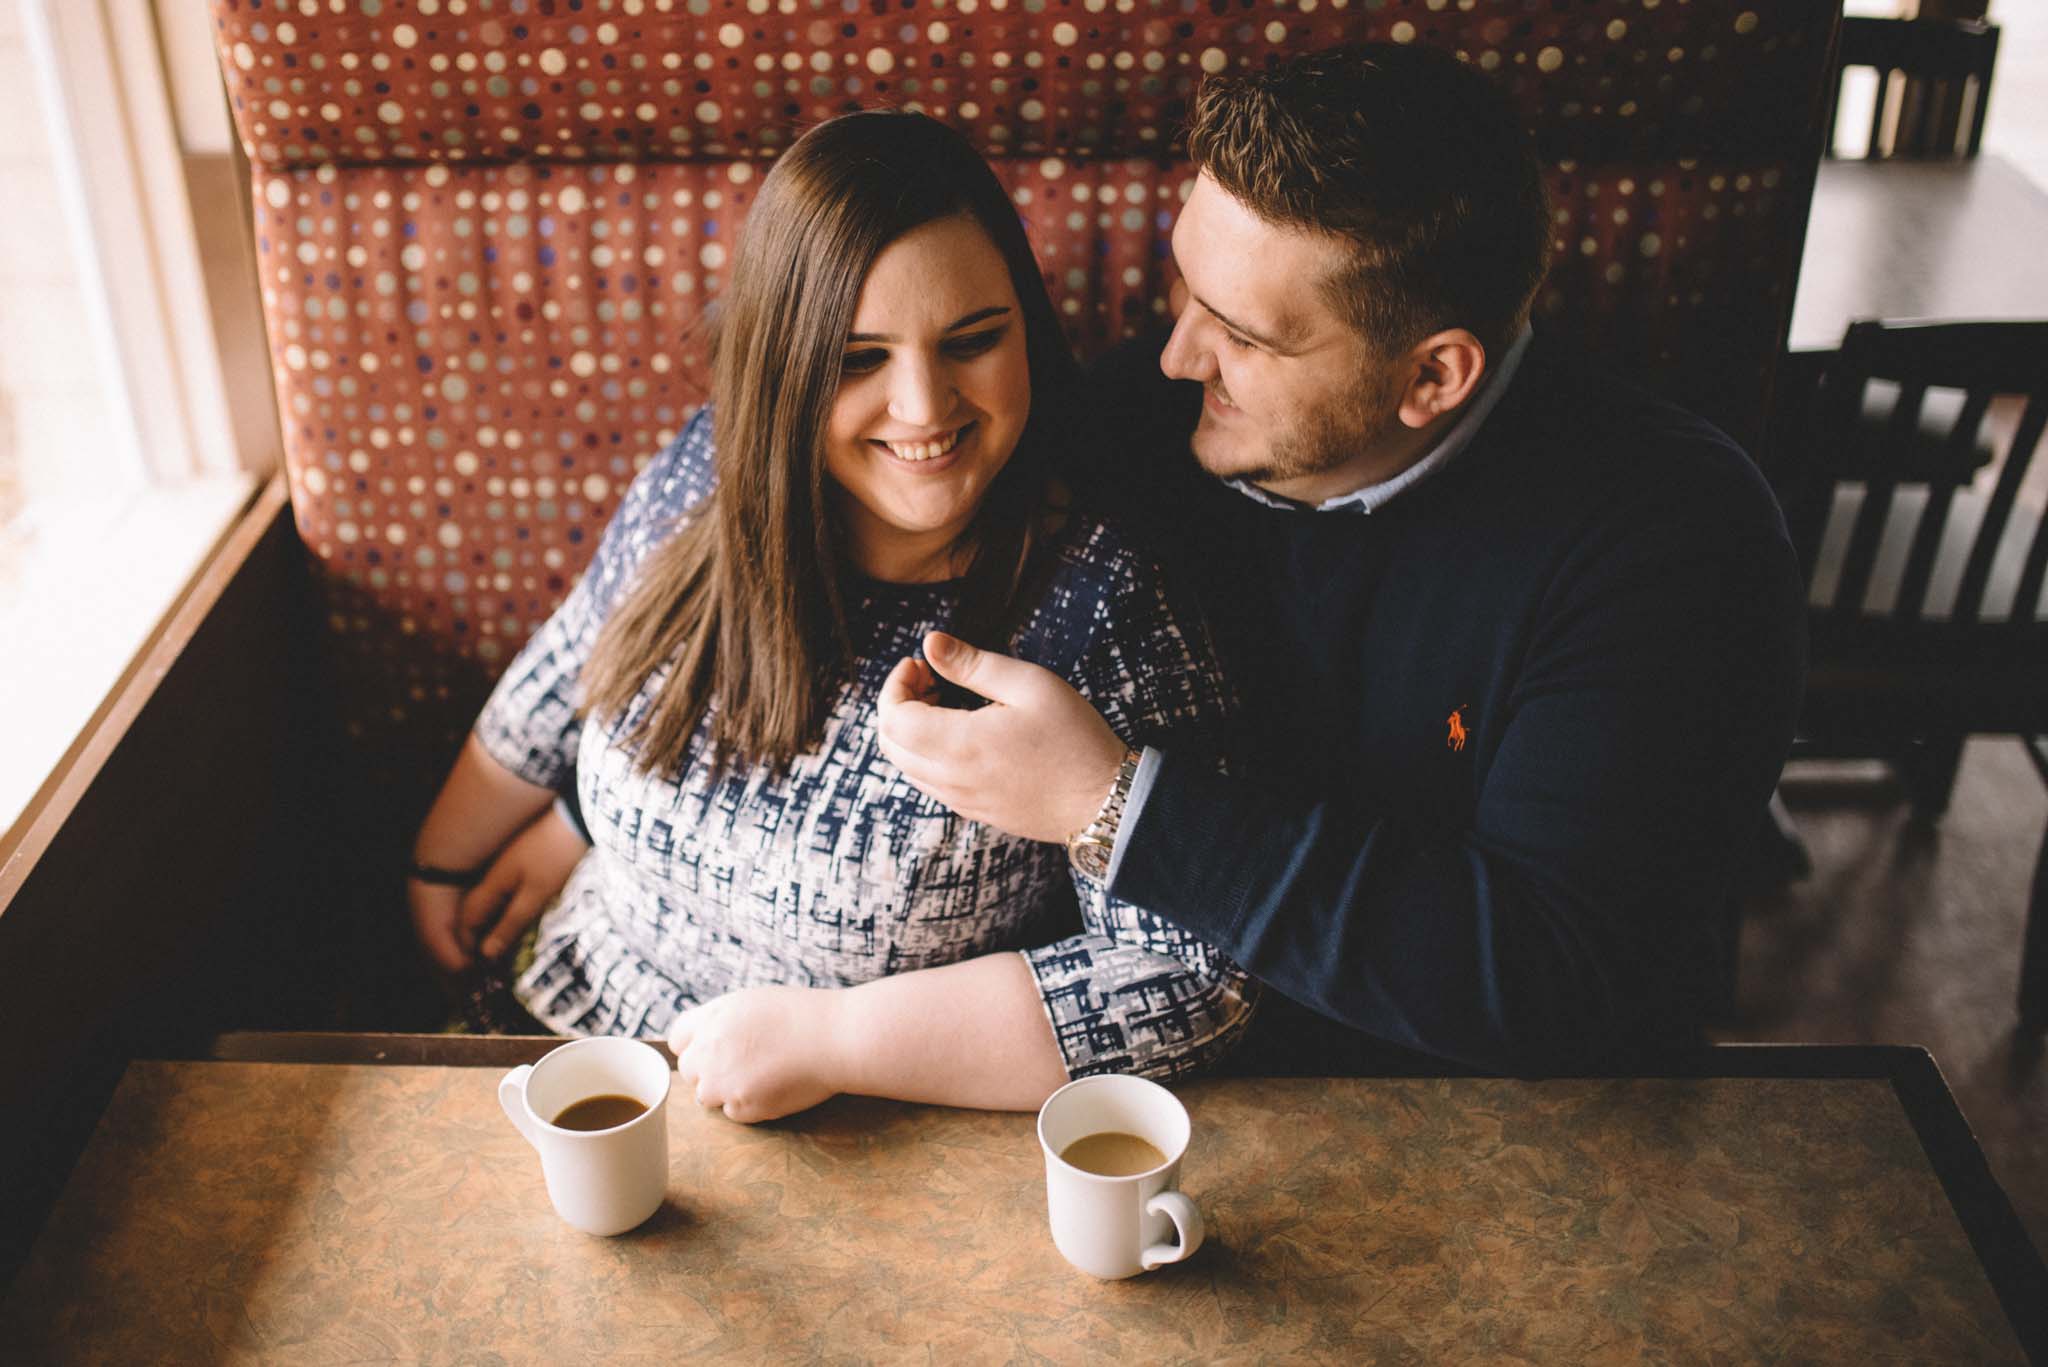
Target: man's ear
<point>1444,370</point>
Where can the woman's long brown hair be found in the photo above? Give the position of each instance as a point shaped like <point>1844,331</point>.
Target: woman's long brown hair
<point>747,601</point>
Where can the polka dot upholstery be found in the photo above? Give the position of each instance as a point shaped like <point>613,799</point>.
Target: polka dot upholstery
<point>488,230</point>
<point>487,80</point>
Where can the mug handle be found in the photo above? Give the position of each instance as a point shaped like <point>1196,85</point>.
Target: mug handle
<point>512,1096</point>
<point>1187,1222</point>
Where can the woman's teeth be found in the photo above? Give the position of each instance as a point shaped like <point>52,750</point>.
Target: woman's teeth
<point>925,450</point>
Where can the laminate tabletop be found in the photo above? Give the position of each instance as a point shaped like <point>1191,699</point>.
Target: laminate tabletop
<point>370,1211</point>
<point>1953,240</point>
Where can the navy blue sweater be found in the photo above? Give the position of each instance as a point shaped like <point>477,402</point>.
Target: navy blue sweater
<point>1600,590</point>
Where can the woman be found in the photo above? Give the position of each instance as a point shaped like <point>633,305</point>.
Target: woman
<point>763,888</point>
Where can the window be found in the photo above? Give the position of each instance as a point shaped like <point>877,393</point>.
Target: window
<point>127,300</point>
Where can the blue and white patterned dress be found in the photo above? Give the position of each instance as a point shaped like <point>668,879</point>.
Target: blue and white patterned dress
<point>838,871</point>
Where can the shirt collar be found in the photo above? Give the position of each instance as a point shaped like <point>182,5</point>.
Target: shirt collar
<point>1457,439</point>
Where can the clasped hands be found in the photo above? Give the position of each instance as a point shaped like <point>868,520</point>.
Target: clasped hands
<point>460,927</point>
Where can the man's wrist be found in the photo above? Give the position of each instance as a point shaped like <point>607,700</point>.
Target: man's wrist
<point>1089,791</point>
<point>1090,847</point>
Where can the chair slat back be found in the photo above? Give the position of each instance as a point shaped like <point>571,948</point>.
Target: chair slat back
<point>1991,534</point>
<point>1932,75</point>
<point>2035,567</point>
<point>1879,492</point>
<point>1949,522</point>
<point>1958,453</point>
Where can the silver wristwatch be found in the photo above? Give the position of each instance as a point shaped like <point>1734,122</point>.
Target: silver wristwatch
<point>1090,847</point>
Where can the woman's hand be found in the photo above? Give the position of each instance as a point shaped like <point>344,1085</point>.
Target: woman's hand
<point>762,1052</point>
<point>436,914</point>
<point>481,808</point>
<point>524,878</point>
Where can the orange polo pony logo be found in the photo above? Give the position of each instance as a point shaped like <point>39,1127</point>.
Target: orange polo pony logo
<point>1456,739</point>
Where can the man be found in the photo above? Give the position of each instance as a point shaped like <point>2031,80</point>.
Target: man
<point>1520,645</point>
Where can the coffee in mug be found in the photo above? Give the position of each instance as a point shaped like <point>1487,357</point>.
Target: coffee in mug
<point>1113,1146</point>
<point>1112,1154</point>
<point>599,1113</point>
<point>596,1111</point>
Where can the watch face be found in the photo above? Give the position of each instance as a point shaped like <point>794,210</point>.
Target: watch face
<point>1091,856</point>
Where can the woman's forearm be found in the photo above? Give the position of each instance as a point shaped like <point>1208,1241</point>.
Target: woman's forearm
<point>973,1033</point>
<point>481,805</point>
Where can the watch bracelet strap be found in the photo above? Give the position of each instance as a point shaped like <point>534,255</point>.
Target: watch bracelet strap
<point>1109,817</point>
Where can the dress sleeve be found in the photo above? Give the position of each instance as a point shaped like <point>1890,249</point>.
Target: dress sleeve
<point>531,724</point>
<point>1133,993</point>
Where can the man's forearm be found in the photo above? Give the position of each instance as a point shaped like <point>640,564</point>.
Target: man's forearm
<point>1436,945</point>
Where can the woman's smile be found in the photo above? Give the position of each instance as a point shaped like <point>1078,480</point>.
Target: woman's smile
<point>925,455</point>
<point>934,393</point>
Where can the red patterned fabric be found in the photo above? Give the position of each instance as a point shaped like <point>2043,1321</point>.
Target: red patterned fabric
<point>488,230</point>
<point>444,80</point>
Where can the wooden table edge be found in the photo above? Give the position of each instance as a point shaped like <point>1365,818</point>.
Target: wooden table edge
<point>485,1051</point>
<point>1994,1228</point>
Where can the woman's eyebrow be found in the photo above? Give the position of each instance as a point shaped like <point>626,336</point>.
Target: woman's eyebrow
<point>967,321</point>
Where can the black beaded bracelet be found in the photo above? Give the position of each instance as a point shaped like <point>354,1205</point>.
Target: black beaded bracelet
<point>447,878</point>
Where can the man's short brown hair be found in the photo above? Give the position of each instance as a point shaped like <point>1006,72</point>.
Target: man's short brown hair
<point>1413,157</point>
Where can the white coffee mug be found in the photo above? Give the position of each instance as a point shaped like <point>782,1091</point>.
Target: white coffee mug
<point>601,1181</point>
<point>1113,1227</point>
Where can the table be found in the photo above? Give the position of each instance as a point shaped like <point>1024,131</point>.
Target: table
<point>1956,240</point>
<point>1820,1203</point>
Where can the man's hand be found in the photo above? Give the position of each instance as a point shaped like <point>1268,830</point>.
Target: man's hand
<point>762,1052</point>
<point>522,880</point>
<point>1036,762</point>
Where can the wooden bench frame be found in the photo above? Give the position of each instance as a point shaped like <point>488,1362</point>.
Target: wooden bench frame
<point>121,931</point>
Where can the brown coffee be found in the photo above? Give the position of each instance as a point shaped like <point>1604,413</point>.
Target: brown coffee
<point>1113,1154</point>
<point>599,1113</point>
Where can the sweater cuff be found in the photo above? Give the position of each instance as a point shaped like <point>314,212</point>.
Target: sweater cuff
<point>1176,855</point>
<point>1134,809</point>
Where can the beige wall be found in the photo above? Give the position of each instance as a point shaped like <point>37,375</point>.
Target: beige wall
<point>2016,125</point>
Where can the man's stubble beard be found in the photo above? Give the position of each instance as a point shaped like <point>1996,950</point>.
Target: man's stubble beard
<point>1319,440</point>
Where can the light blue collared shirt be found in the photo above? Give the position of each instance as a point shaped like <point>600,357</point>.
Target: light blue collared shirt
<point>1362,501</point>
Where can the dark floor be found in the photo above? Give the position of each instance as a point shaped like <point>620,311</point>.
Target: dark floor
<point>1908,936</point>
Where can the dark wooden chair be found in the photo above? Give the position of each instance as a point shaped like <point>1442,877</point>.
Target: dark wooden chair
<point>1934,83</point>
<point>1925,575</point>
<point>1933,78</point>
